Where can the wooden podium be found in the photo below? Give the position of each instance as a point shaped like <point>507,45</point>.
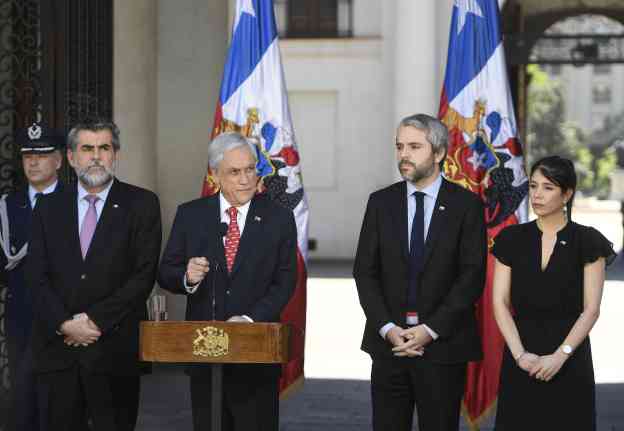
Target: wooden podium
<point>216,343</point>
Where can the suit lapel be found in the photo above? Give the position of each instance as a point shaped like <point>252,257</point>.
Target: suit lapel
<point>212,232</point>
<point>72,229</point>
<point>251,233</point>
<point>20,215</point>
<point>439,219</point>
<point>399,214</point>
<point>23,200</point>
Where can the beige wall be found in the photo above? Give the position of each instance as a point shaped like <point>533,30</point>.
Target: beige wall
<point>191,53</point>
<point>339,109</point>
<point>134,83</point>
<point>168,62</point>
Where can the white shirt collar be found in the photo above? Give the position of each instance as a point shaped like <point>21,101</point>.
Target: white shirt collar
<point>82,192</point>
<point>33,191</point>
<point>431,190</point>
<point>225,205</point>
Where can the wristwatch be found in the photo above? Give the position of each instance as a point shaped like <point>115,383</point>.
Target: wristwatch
<point>566,349</point>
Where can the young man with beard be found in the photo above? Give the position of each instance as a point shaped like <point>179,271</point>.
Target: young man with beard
<point>419,269</point>
<point>40,148</point>
<point>93,259</point>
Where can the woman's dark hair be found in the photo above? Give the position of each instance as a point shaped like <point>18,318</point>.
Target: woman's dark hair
<point>559,171</point>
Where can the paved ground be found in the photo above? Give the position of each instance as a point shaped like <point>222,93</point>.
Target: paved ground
<point>336,393</point>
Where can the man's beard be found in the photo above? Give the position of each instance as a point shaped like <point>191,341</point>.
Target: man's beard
<point>92,177</point>
<point>425,170</point>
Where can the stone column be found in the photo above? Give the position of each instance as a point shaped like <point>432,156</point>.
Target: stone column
<point>134,95</point>
<point>410,55</point>
<point>416,87</point>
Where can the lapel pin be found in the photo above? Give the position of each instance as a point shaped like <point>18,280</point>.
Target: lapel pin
<point>441,207</point>
<point>256,218</point>
<point>115,206</point>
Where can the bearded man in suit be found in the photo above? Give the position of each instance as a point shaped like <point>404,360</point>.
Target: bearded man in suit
<point>419,269</point>
<point>93,259</point>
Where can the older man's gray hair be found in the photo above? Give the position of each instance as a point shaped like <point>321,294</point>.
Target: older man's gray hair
<point>435,131</point>
<point>226,142</point>
<point>96,125</point>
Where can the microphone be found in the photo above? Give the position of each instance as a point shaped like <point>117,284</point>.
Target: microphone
<point>223,228</point>
<point>214,290</point>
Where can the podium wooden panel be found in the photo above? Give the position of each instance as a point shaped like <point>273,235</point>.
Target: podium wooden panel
<point>176,342</point>
<point>216,343</point>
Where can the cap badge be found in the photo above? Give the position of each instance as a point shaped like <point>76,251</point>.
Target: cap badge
<point>34,131</point>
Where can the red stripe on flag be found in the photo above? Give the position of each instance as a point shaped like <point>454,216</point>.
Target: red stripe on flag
<point>483,377</point>
<point>294,314</point>
<point>209,188</point>
<point>443,104</point>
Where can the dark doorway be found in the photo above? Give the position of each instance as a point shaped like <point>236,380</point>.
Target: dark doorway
<point>56,66</point>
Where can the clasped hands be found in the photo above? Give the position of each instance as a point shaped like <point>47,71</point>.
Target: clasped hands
<point>409,342</point>
<point>542,368</point>
<point>80,331</point>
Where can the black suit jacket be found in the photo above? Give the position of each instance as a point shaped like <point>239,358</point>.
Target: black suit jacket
<point>111,284</point>
<point>263,277</point>
<point>452,280</point>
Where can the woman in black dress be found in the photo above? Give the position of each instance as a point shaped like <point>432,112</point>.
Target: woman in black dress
<point>548,281</point>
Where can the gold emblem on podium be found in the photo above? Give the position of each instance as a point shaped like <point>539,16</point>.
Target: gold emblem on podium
<point>211,341</point>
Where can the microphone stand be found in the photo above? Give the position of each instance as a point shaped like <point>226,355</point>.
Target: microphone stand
<point>216,402</point>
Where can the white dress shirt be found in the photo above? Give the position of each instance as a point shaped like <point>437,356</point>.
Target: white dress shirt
<point>431,195</point>
<point>32,192</point>
<point>83,204</point>
<point>241,215</point>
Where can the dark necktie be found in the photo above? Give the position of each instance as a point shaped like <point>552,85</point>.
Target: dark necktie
<point>37,196</point>
<point>417,251</point>
<point>232,238</point>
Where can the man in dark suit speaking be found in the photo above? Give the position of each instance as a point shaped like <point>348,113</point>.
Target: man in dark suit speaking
<point>91,266</point>
<point>234,255</point>
<point>419,269</point>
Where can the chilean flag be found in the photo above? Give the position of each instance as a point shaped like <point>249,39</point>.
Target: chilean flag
<point>253,101</point>
<point>484,156</point>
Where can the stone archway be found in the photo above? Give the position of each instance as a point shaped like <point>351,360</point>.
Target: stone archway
<point>524,22</point>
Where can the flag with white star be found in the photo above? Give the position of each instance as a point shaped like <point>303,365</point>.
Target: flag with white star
<point>485,156</point>
<point>253,101</point>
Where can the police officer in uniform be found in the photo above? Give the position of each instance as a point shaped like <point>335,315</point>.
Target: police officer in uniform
<point>41,156</point>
